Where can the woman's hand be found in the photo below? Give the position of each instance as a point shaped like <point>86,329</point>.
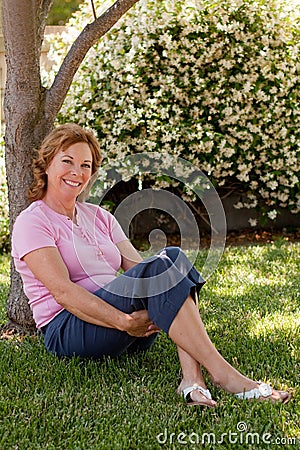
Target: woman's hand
<point>48,266</point>
<point>139,324</point>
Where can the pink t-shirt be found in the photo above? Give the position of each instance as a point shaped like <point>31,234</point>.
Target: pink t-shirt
<point>88,250</point>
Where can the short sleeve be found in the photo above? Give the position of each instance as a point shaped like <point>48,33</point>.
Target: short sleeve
<point>115,230</point>
<point>31,232</point>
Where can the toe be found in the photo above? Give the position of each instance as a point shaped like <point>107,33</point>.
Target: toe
<point>198,398</point>
<point>280,396</point>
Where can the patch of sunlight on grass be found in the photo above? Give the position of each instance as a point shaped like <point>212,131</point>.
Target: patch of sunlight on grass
<point>4,269</point>
<point>276,322</point>
<point>4,279</point>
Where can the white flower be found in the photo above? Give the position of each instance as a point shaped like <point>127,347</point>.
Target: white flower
<point>282,196</point>
<point>272,214</point>
<point>272,184</point>
<point>253,222</point>
<point>238,205</point>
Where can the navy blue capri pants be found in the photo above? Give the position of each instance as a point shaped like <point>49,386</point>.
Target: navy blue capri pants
<point>159,284</point>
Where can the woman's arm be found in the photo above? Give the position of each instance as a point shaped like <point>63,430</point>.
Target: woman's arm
<point>130,256</point>
<point>47,266</point>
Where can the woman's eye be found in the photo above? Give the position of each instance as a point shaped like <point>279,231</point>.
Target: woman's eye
<point>68,161</point>
<point>86,166</point>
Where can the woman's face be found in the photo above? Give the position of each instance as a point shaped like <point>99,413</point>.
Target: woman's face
<point>70,171</point>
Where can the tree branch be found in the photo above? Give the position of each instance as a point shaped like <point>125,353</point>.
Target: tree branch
<point>44,9</point>
<point>94,10</point>
<point>87,38</point>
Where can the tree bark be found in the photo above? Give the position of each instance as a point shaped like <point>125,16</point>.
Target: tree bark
<point>30,109</point>
<point>22,100</point>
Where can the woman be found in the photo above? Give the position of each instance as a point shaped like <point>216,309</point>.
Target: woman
<point>68,254</point>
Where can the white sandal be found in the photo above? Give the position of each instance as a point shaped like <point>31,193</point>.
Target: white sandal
<point>263,390</point>
<point>205,392</point>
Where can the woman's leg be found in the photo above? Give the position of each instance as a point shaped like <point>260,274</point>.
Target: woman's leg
<point>192,373</point>
<point>188,332</point>
<point>67,335</point>
<point>192,376</point>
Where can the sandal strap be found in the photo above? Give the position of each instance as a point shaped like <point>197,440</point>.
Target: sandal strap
<point>263,390</point>
<point>195,387</point>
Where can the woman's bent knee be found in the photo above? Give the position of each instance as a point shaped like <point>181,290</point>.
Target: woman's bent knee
<point>173,252</point>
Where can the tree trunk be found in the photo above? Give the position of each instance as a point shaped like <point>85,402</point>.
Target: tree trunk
<point>30,110</point>
<point>22,101</point>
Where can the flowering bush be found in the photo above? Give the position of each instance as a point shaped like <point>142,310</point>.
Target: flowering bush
<point>216,83</point>
<point>4,216</point>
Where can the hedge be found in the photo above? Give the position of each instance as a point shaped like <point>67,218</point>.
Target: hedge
<point>216,83</point>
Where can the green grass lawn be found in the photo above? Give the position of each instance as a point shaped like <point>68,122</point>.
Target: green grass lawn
<point>250,306</point>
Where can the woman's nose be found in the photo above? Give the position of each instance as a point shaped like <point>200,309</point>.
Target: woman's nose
<point>76,170</point>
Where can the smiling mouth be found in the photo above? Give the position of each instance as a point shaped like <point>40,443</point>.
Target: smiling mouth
<point>72,183</point>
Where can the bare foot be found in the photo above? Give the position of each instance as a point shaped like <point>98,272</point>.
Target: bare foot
<point>196,395</point>
<point>278,396</point>
<point>263,391</point>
